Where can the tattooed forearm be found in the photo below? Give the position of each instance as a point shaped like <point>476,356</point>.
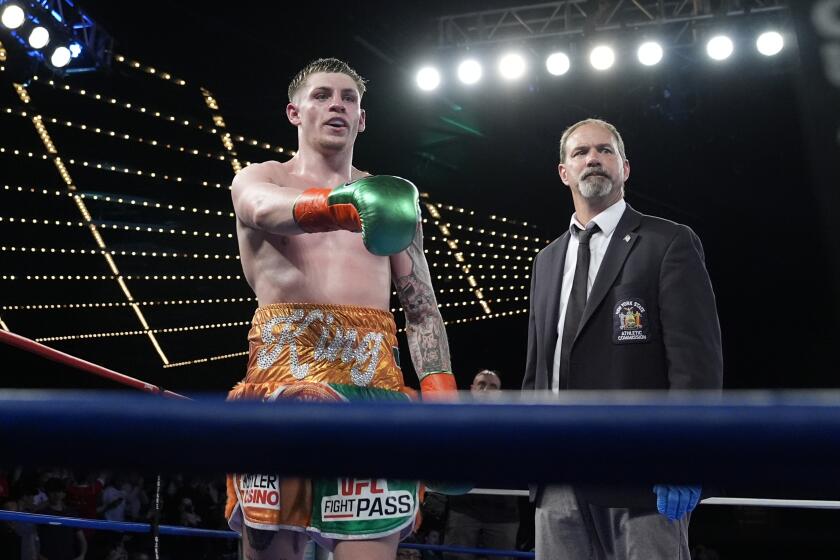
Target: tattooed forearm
<point>424,325</point>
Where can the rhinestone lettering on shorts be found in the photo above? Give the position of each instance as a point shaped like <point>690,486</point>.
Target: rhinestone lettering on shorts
<point>343,345</point>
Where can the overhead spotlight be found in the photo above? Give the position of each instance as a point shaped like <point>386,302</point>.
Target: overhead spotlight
<point>770,43</point>
<point>469,71</point>
<point>649,53</point>
<point>720,47</point>
<point>39,37</point>
<point>13,16</point>
<point>557,64</point>
<point>512,66</point>
<point>61,57</point>
<point>428,78</point>
<point>602,57</point>
<point>75,49</point>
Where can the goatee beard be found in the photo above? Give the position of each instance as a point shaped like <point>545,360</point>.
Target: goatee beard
<point>595,186</point>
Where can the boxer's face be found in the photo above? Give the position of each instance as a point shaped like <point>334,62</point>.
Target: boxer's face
<point>593,165</point>
<point>327,110</point>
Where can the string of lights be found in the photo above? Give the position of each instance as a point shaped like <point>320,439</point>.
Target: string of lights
<point>43,133</point>
<point>214,301</point>
<point>480,277</point>
<point>491,256</point>
<point>208,359</point>
<point>153,174</point>
<point>219,121</point>
<point>93,277</point>
<point>480,266</point>
<point>114,199</point>
<point>16,152</point>
<point>491,232</point>
<point>118,226</point>
<point>486,317</point>
<point>154,204</point>
<point>179,120</point>
<point>206,256</point>
<point>143,332</point>
<point>136,65</point>
<point>468,303</point>
<point>110,304</point>
<point>118,135</point>
<point>113,168</point>
<point>113,252</point>
<point>151,229</point>
<point>456,254</point>
<point>43,221</point>
<point>28,277</point>
<point>494,217</point>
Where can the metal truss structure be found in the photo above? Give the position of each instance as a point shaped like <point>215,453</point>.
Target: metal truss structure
<point>67,23</point>
<point>580,18</point>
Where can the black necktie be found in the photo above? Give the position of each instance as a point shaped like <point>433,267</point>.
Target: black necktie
<point>577,301</point>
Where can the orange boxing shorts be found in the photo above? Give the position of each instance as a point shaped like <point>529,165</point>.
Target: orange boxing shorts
<point>327,353</point>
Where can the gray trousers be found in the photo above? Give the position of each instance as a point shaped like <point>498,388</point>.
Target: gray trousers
<point>567,529</point>
<point>464,530</point>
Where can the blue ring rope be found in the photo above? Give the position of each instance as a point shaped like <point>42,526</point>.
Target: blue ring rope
<point>715,442</point>
<point>127,527</point>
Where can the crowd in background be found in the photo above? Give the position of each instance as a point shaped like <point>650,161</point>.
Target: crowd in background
<point>194,501</point>
<point>184,501</point>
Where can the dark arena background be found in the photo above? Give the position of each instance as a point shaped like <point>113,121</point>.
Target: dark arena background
<point>117,233</point>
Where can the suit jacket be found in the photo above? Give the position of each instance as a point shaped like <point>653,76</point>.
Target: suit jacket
<point>650,321</point>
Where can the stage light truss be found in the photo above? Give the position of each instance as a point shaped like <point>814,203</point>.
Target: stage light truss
<point>576,18</point>
<point>72,41</point>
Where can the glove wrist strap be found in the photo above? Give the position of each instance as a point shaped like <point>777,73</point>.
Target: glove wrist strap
<point>313,213</point>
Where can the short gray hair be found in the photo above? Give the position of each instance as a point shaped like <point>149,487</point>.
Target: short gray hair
<point>613,130</point>
<point>494,373</point>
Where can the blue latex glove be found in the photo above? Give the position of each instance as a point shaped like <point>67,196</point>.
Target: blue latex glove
<point>675,501</point>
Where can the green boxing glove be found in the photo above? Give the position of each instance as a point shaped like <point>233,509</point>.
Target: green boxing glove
<point>384,208</point>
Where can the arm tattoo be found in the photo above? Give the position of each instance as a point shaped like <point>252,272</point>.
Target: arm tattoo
<point>424,325</point>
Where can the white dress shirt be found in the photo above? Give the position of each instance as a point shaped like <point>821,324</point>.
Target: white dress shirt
<point>598,243</point>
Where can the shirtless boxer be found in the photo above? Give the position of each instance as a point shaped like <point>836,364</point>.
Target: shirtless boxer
<point>320,244</point>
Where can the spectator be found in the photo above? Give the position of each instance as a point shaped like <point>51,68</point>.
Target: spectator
<point>112,501</point>
<point>476,520</point>
<point>57,541</point>
<point>10,540</point>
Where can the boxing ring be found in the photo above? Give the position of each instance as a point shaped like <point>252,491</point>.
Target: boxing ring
<point>719,440</point>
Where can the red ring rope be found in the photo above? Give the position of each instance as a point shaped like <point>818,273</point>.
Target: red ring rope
<point>39,349</point>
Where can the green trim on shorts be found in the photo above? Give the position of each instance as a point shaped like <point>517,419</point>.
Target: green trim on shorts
<point>348,507</point>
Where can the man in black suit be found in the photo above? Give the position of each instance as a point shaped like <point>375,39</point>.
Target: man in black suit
<point>620,301</point>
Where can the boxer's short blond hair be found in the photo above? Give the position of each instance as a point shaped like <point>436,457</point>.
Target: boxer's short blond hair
<point>329,65</point>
